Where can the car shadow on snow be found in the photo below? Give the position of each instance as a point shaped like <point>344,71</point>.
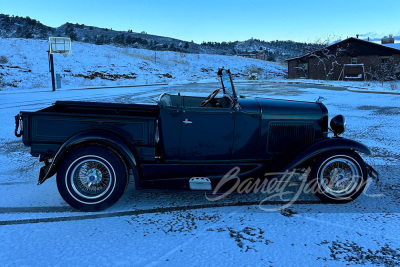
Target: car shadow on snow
<point>378,197</point>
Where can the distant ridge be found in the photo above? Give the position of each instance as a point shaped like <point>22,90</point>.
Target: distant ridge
<point>26,27</point>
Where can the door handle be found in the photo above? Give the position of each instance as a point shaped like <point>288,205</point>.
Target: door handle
<point>186,121</point>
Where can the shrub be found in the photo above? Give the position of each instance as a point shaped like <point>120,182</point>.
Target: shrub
<point>253,76</point>
<point>3,60</point>
<point>1,82</point>
<point>393,85</point>
<point>254,73</point>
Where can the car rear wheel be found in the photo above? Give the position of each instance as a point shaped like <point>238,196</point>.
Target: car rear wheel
<point>338,177</point>
<point>92,178</point>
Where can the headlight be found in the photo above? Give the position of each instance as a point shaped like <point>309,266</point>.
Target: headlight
<point>338,124</point>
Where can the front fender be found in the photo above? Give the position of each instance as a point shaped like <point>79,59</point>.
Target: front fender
<point>326,145</point>
<point>104,137</point>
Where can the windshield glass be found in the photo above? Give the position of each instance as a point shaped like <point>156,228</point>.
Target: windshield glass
<point>227,84</point>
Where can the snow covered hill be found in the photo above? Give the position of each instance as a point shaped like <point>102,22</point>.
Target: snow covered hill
<point>26,27</point>
<point>24,65</point>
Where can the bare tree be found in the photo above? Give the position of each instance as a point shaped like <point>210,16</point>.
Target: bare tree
<point>388,70</point>
<point>327,58</point>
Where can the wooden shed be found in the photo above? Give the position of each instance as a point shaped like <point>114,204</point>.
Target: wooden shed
<point>351,58</point>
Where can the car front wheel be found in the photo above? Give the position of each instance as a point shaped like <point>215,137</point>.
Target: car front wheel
<point>92,178</point>
<point>338,177</point>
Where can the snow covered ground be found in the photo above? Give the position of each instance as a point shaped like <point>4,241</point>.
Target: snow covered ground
<point>27,66</point>
<point>24,66</point>
<point>361,86</point>
<point>38,228</point>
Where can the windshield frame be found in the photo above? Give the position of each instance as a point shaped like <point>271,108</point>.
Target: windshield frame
<point>225,76</point>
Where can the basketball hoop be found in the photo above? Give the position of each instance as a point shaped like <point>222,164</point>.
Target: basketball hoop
<point>60,45</point>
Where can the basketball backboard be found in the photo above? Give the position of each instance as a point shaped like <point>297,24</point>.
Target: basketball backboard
<point>60,45</point>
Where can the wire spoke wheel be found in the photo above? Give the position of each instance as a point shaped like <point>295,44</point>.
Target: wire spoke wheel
<point>338,176</point>
<point>91,179</point>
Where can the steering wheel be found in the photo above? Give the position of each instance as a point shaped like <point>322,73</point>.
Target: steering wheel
<point>209,98</point>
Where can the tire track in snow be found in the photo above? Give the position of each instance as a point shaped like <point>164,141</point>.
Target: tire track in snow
<point>157,88</point>
<point>185,244</point>
<point>84,98</point>
<point>7,210</point>
<point>343,226</point>
<point>134,212</point>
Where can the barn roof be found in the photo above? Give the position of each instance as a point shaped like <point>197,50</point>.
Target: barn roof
<point>395,48</point>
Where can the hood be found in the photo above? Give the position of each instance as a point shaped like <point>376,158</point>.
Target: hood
<point>289,109</point>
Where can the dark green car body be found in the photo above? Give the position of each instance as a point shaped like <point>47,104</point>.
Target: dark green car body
<point>165,145</point>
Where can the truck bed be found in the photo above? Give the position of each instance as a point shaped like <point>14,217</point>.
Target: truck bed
<point>47,129</point>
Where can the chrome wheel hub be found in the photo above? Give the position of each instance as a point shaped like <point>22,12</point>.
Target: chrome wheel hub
<point>93,176</point>
<point>91,179</point>
<point>339,176</point>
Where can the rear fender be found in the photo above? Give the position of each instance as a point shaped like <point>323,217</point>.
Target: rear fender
<point>102,137</point>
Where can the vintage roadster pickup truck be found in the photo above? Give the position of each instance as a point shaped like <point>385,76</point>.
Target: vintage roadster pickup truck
<point>189,143</point>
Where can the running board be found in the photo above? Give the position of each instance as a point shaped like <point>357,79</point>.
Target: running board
<point>200,183</point>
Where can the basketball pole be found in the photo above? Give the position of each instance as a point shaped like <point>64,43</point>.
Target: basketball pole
<point>51,69</point>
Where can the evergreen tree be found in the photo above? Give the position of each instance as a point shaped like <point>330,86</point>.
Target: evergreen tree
<point>271,56</point>
<point>129,40</point>
<point>70,32</point>
<point>99,40</point>
<point>43,34</point>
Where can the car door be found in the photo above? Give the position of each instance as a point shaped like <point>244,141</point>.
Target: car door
<point>206,134</point>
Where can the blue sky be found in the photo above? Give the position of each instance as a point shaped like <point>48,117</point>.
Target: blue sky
<point>222,20</point>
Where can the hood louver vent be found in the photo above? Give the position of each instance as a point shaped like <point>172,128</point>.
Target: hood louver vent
<point>286,136</point>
